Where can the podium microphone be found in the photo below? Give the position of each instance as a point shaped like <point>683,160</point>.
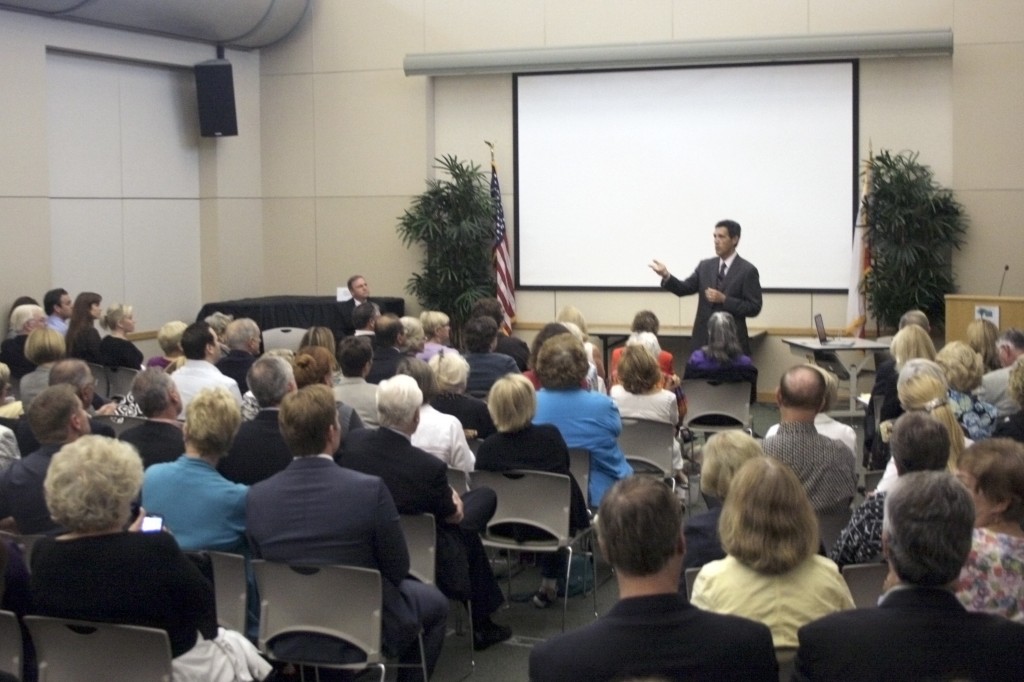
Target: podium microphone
<point>1006,268</point>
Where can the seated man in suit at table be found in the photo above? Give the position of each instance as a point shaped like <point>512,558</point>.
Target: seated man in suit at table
<point>919,631</point>
<point>159,438</point>
<point>360,290</point>
<point>652,632</point>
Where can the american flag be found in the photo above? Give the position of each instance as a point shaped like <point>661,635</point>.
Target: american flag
<point>502,261</point>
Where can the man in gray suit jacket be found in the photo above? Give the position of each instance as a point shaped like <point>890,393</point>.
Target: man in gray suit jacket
<point>315,512</point>
<point>726,282</point>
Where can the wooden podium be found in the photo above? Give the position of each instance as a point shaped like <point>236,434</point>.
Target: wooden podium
<point>960,312</point>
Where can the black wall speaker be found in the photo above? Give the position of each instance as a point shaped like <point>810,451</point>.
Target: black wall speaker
<point>215,91</point>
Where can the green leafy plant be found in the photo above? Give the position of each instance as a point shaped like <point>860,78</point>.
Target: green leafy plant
<point>452,221</point>
<point>913,226</point>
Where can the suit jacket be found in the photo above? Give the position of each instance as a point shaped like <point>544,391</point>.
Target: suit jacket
<point>156,441</point>
<point>659,635</point>
<point>742,289</point>
<point>27,441</point>
<point>916,633</point>
<point>236,365</point>
<point>345,309</point>
<point>703,545</point>
<point>258,451</point>
<point>21,492</point>
<point>385,364</point>
<point>515,348</point>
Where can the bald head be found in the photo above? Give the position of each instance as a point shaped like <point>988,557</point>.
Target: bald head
<point>801,389</point>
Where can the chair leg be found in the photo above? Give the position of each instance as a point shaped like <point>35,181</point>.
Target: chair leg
<point>565,598</point>
<point>423,659</point>
<point>472,639</point>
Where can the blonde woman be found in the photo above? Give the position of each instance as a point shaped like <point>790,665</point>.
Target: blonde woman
<point>437,329</point>
<point>115,348</point>
<point>415,337</point>
<point>573,315</point>
<point>772,572</point>
<point>10,408</point>
<point>44,347</point>
<point>982,337</point>
<point>451,371</point>
<point>964,369</point>
<point>169,338</point>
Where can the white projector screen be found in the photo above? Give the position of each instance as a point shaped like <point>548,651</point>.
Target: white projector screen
<point>616,168</point>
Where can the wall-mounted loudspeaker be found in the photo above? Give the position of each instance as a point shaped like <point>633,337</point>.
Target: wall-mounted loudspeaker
<point>215,92</point>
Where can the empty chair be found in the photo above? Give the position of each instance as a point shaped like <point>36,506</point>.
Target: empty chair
<point>230,589</point>
<point>84,651</point>
<point>10,644</point>
<point>871,479</point>
<point>865,582</point>
<point>712,407</point>
<point>647,445</point>
<point>831,525</point>
<point>283,337</point>
<point>99,373</point>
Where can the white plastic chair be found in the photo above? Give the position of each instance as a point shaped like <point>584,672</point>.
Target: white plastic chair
<point>10,644</point>
<point>283,337</point>
<point>648,448</point>
<point>865,582</point>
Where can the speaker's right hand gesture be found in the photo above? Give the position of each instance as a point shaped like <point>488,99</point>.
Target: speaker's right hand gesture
<point>659,268</point>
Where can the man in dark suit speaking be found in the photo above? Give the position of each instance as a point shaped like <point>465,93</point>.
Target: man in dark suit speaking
<point>726,282</point>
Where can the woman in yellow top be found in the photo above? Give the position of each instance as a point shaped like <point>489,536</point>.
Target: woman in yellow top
<point>772,572</point>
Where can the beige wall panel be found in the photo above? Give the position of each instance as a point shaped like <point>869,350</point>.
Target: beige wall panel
<point>25,222</point>
<point>987,139</point>
<point>784,310</point>
<point>357,236</point>
<point>535,307</point>
<point>87,246</point>
<point>596,22</point>
<point>993,240</point>
<point>289,246</point>
<point>988,21</point>
<point>907,104</point>
<point>702,20</point>
<point>293,54</point>
<point>842,16</point>
<point>360,35</point>
<point>371,133</point>
<point>470,110</point>
<point>456,25</point>
<point>239,269</point>
<point>23,144</point>
<point>288,145</point>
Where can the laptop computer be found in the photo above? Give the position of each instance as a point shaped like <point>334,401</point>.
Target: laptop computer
<point>819,326</point>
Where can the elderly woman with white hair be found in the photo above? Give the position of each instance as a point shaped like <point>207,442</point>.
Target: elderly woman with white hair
<point>440,434</point>
<point>722,359</point>
<point>24,320</point>
<point>452,372</point>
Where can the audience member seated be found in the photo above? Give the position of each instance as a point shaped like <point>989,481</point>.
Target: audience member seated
<point>324,337</point>
<point>355,357</point>
<point>995,383</point>
<point>722,359</point>
<point>115,348</point>
<point>452,372</point>
<point>437,329</point>
<point>922,387</point>
<point>419,485</point>
<point>57,305</point>
<point>203,509</point>
<point>414,337</point>
<point>519,444</point>
<point>9,452</point>
<point>438,433</point>
<point>128,577</point>
<point>982,337</point>
<point>169,338</point>
<point>643,321</point>
<point>639,394</point>
<point>724,453</point>
<point>364,317</point>
<point>911,341</point>
<point>572,315</point>
<point>585,419</point>
<point>992,579</point>
<point>824,424</point>
<point>44,347</point>
<point>963,370</point>
<point>313,365</point>
<point>10,408</point>
<point>242,337</point>
<point>387,341</point>
<point>24,320</point>
<point>57,418</point>
<point>919,630</point>
<point>593,380</point>
<point>918,443</point>
<point>823,466</point>
<point>159,438</point>
<point>16,597</point>
<point>259,451</point>
<point>315,512</point>
<point>83,341</point>
<point>219,322</point>
<point>511,346</point>
<point>772,572</point>
<point>652,633</point>
<point>545,333</point>
<point>202,352</point>
<point>485,365</point>
<point>1013,425</point>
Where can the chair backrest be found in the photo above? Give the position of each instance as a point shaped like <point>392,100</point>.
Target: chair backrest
<point>421,539</point>
<point>229,587</point>
<point>99,373</point>
<point>10,644</point>
<point>458,480</point>
<point>283,337</point>
<point>785,656</point>
<point>26,543</point>
<point>118,423</point>
<point>831,525</point>
<point>872,479</point>
<point>531,498</point>
<point>579,465</point>
<point>120,380</point>
<point>691,576</point>
<point>865,582</point>
<point>84,651</point>
<point>339,601</point>
<point>648,443</point>
<point>706,399</point>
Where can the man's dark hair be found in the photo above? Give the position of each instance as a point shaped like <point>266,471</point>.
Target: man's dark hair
<point>919,443</point>
<point>645,321</point>
<point>353,354</point>
<point>479,333</point>
<point>731,225</point>
<point>363,313</point>
<point>352,279</point>
<point>639,525</point>
<point>488,307</point>
<point>389,328</point>
<point>802,388</point>
<point>194,340</point>
<point>52,299</point>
